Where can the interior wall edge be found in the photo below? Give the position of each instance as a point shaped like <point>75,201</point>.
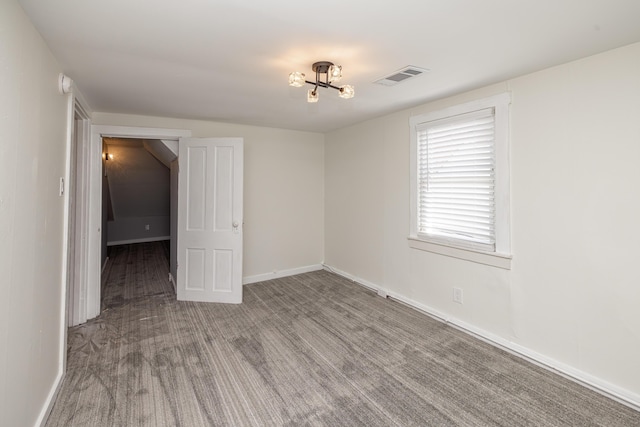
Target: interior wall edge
<point>596,384</point>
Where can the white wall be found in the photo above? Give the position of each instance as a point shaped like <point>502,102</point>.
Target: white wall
<point>572,295</point>
<point>283,190</point>
<point>33,144</point>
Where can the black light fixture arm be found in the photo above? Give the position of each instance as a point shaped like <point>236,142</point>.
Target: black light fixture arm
<point>321,84</point>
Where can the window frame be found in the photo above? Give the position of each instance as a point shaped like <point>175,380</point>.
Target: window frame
<point>501,256</point>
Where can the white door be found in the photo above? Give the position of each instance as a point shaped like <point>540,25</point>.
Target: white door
<point>210,219</point>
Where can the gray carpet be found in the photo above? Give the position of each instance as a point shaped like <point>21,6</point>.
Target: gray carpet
<point>312,349</point>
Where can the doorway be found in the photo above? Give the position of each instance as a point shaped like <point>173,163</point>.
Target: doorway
<point>137,197</point>
<point>95,160</point>
<point>216,157</point>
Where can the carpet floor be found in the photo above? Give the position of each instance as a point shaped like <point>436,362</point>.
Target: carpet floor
<point>307,350</point>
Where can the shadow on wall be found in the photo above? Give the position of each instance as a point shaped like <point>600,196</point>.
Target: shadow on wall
<point>137,190</point>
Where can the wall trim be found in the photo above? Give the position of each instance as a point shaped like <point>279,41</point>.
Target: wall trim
<point>281,273</point>
<point>487,258</point>
<point>172,280</point>
<point>51,397</point>
<point>594,383</point>
<point>142,240</point>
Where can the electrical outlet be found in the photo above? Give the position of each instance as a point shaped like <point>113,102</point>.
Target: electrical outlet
<point>146,227</point>
<point>457,295</point>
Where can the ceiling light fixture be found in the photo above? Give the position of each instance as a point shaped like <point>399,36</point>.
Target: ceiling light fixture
<point>326,74</point>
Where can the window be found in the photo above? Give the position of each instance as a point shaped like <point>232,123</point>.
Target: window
<point>460,181</point>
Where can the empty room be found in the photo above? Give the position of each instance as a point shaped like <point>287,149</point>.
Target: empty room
<point>422,213</point>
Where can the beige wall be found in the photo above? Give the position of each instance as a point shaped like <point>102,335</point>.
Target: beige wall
<point>571,297</point>
<point>283,190</point>
<point>32,158</point>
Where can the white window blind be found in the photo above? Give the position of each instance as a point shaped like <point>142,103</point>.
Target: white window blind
<point>456,179</point>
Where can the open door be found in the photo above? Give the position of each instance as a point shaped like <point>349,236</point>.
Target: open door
<point>210,220</point>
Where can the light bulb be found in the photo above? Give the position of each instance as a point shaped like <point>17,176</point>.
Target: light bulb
<point>296,79</point>
<point>312,95</point>
<point>347,91</point>
<point>335,73</point>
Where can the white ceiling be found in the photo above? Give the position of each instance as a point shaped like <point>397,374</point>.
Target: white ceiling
<point>228,60</point>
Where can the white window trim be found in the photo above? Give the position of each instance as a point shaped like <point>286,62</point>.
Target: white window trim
<point>502,256</point>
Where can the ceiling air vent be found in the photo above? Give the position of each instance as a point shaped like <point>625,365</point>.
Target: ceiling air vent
<point>401,75</point>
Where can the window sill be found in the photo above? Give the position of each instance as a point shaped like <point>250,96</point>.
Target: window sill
<point>493,259</point>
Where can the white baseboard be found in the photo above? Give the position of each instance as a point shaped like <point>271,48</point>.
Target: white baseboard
<point>173,282</point>
<point>142,240</point>
<point>280,273</point>
<point>51,398</point>
<point>612,391</point>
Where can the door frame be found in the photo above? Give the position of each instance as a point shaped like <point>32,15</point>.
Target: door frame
<point>79,132</point>
<point>93,201</point>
